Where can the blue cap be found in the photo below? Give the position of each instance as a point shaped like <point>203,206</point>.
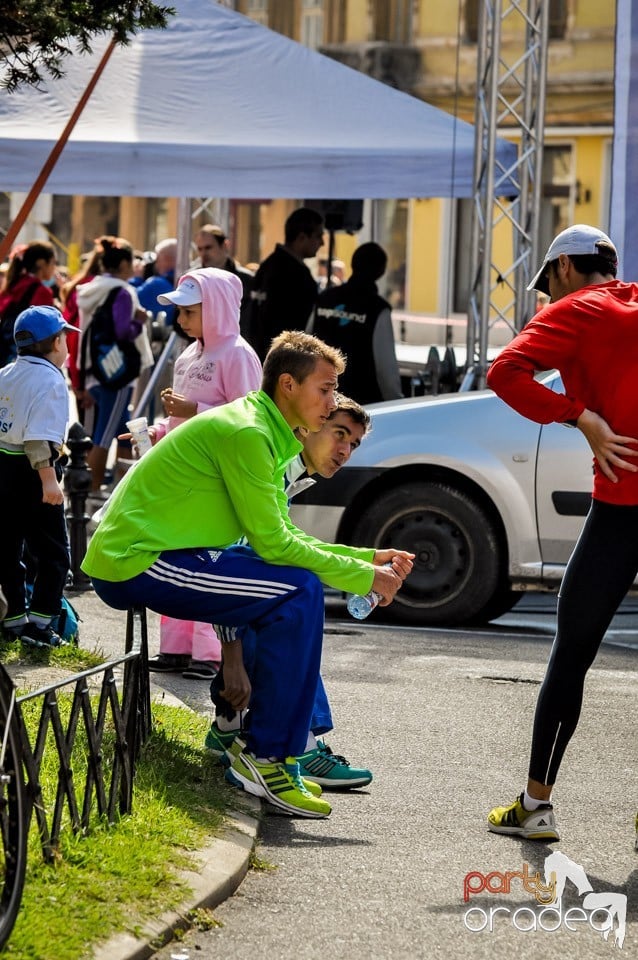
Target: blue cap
<point>38,323</point>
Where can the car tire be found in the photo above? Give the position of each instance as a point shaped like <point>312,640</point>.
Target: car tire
<point>500,603</point>
<point>456,566</point>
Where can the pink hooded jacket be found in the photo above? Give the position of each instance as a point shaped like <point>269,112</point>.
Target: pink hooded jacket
<point>222,366</point>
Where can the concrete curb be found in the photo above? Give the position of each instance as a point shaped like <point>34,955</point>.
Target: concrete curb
<point>222,867</point>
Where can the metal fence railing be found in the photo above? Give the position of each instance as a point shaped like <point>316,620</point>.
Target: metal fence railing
<point>107,728</point>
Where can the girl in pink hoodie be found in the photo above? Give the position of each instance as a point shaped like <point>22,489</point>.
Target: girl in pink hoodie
<point>217,367</point>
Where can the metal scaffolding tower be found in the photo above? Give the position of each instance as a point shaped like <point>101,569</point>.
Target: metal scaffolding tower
<point>510,97</point>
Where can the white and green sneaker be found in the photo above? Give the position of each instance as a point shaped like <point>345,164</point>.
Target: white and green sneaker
<point>278,782</point>
<point>516,821</point>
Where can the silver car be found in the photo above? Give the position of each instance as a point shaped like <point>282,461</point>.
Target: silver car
<point>489,502</point>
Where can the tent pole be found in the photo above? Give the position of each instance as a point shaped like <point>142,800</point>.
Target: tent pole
<point>184,233</point>
<point>331,253</point>
<point>52,159</point>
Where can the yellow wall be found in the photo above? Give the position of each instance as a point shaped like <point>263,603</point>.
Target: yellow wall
<point>356,20</point>
<point>133,221</point>
<point>590,166</point>
<point>273,218</point>
<point>345,246</point>
<point>425,256</point>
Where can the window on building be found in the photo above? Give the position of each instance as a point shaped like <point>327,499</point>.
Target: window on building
<point>256,10</point>
<point>558,199</point>
<point>390,231</point>
<point>311,27</point>
<point>557,20</point>
<point>392,20</point>
<point>334,28</point>
<point>461,265</point>
<point>282,17</point>
<point>156,220</point>
<point>558,194</point>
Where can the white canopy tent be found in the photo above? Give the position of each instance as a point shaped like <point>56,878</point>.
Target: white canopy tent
<point>217,105</point>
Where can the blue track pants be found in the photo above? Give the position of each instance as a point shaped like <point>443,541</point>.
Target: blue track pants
<point>234,587</point>
<point>321,719</point>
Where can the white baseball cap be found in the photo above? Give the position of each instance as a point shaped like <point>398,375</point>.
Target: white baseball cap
<point>187,294</point>
<point>577,241</point>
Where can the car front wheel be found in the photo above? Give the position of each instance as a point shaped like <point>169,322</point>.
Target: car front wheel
<point>456,565</point>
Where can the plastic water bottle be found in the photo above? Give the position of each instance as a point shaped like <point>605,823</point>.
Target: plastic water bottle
<point>361,607</point>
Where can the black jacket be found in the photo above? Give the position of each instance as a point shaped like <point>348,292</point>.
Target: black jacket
<point>346,317</point>
<point>283,296</point>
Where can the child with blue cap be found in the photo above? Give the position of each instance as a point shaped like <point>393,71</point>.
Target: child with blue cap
<point>34,414</point>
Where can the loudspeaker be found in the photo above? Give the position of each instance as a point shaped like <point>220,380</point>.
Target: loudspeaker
<point>344,215</point>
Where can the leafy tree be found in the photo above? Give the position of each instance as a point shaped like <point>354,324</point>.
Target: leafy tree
<point>36,35</point>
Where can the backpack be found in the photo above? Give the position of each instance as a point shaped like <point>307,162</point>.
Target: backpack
<point>114,363</point>
<point>67,622</point>
<point>8,349</point>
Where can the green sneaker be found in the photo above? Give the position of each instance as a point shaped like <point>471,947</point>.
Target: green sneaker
<point>515,820</point>
<point>278,783</point>
<point>218,742</point>
<point>331,771</point>
<point>235,747</point>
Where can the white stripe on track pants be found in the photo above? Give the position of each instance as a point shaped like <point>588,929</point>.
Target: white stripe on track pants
<point>235,587</point>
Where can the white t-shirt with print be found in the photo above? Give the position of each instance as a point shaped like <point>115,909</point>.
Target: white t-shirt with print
<point>34,402</point>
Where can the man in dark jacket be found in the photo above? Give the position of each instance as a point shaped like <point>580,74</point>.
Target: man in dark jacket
<point>354,318</point>
<point>285,292</point>
<point>213,250</point>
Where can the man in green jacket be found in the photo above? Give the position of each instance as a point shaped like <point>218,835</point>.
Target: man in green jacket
<point>167,541</point>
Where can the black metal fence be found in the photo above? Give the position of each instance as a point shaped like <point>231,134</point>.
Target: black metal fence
<point>107,787</point>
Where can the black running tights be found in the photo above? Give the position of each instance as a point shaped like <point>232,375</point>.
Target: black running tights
<point>599,573</point>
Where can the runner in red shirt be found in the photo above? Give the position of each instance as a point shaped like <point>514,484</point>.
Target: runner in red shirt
<point>589,332</point>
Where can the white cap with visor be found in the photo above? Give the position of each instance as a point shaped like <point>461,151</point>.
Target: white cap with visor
<point>577,241</point>
<point>187,294</point>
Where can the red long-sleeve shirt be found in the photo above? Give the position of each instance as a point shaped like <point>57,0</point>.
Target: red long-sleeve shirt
<point>41,295</point>
<point>591,337</point>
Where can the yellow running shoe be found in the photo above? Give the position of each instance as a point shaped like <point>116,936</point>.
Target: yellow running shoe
<point>278,783</point>
<point>515,820</point>
<point>237,746</point>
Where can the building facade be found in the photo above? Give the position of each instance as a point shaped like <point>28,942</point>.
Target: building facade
<point>429,50</point>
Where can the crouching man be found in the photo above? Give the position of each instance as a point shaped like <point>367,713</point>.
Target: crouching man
<point>168,541</point>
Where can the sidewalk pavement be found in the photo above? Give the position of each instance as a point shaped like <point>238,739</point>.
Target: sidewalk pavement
<point>222,864</point>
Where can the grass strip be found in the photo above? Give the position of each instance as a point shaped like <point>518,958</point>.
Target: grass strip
<point>116,877</point>
<point>70,657</point>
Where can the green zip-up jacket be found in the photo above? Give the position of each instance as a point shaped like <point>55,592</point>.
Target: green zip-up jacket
<point>212,480</point>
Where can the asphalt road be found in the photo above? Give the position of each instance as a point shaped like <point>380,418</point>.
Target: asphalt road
<point>443,719</point>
